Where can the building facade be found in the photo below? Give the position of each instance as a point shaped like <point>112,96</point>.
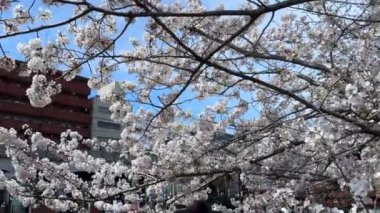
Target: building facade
<point>69,110</point>
<point>102,127</point>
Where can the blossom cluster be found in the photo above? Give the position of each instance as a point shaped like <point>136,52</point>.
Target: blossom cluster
<point>282,95</point>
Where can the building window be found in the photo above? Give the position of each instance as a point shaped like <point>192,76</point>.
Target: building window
<point>108,125</point>
<point>102,109</point>
<point>106,139</point>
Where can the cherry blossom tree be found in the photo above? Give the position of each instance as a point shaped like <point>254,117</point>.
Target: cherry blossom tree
<point>290,86</point>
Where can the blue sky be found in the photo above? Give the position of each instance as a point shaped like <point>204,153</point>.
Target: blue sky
<point>136,30</point>
<point>60,13</point>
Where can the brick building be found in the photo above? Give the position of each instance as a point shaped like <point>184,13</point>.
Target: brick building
<point>69,110</point>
